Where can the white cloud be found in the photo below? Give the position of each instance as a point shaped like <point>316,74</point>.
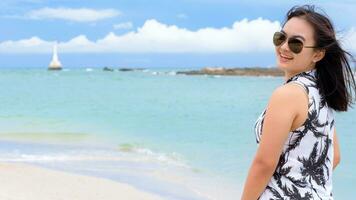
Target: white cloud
<point>31,45</point>
<point>124,25</point>
<point>156,37</point>
<point>70,14</point>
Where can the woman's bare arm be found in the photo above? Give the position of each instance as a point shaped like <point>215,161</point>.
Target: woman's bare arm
<point>281,111</point>
<point>337,157</point>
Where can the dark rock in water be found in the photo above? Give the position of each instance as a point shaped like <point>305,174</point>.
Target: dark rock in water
<point>255,71</point>
<point>130,69</point>
<point>125,69</point>
<point>108,69</point>
<point>54,69</point>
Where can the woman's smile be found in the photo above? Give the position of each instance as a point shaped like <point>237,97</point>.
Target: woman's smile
<point>283,58</point>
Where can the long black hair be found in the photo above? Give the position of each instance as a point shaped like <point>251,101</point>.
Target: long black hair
<point>335,78</point>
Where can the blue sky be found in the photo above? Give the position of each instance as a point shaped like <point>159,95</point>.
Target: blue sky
<point>155,33</point>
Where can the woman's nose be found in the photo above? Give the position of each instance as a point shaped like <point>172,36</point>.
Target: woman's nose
<point>284,46</point>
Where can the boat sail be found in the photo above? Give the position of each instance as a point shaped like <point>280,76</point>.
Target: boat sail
<point>55,63</point>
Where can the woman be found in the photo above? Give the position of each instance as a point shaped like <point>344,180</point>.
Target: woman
<point>298,146</point>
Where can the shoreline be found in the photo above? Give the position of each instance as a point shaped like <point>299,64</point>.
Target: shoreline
<point>44,170</point>
<point>20,181</point>
<point>40,167</point>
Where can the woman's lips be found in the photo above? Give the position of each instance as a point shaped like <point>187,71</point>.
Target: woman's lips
<point>284,58</point>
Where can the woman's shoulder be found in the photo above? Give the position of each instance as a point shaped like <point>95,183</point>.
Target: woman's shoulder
<point>287,99</point>
<point>289,91</point>
<point>290,95</point>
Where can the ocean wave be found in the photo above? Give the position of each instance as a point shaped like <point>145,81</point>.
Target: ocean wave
<point>73,155</point>
<point>172,158</point>
<point>172,73</point>
<point>50,158</point>
<point>55,152</point>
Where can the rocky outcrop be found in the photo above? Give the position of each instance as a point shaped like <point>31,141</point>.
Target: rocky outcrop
<point>122,69</point>
<point>108,69</point>
<point>130,69</point>
<point>255,71</point>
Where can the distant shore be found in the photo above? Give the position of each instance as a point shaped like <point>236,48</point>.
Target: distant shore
<point>255,71</point>
<point>246,71</point>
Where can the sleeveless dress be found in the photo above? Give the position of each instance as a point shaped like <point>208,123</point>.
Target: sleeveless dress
<point>304,169</point>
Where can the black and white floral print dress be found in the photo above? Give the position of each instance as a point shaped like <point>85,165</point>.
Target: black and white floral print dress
<point>304,169</point>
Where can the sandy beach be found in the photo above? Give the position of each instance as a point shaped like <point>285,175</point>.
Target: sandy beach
<point>26,182</point>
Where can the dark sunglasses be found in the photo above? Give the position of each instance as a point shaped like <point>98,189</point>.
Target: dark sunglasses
<point>295,45</point>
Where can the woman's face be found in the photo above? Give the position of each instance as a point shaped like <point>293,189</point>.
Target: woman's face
<point>305,60</point>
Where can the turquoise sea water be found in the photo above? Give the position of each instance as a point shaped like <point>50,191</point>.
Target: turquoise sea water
<point>184,137</point>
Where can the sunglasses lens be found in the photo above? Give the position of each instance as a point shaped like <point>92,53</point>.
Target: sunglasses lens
<point>278,38</point>
<point>295,45</point>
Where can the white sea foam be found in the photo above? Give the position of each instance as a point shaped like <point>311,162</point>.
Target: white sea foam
<point>54,157</point>
<point>146,154</point>
<point>127,152</point>
<point>172,73</point>
<point>171,158</point>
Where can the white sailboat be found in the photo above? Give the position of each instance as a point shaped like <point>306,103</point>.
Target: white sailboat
<point>55,63</point>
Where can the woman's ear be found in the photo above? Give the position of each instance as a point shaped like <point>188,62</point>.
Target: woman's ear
<point>319,54</point>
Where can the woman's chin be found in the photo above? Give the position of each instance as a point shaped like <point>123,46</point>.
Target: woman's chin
<point>282,66</point>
